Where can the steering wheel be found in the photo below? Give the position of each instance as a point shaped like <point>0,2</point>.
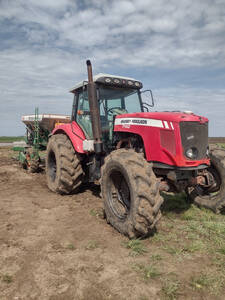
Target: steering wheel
<point>116,111</point>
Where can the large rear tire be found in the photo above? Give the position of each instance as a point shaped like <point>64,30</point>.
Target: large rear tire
<point>212,198</point>
<point>130,192</point>
<point>63,168</point>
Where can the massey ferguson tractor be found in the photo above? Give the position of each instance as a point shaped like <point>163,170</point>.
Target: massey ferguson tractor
<point>135,153</point>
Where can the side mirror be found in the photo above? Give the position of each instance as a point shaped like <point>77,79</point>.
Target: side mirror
<point>147,99</point>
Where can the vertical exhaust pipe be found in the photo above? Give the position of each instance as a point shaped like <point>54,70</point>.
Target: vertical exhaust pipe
<point>94,110</point>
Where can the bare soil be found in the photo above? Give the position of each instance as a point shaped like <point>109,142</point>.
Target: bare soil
<point>60,247</point>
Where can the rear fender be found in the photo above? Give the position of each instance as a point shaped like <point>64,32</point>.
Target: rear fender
<point>74,133</point>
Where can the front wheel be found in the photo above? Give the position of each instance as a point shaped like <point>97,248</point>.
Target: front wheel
<point>130,192</point>
<point>212,197</point>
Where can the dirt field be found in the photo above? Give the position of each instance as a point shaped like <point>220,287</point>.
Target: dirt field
<point>60,247</point>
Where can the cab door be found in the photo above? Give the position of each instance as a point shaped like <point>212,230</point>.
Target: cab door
<point>83,116</point>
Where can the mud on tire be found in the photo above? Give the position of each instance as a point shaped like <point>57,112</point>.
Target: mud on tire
<point>63,168</point>
<point>130,193</point>
<point>213,199</point>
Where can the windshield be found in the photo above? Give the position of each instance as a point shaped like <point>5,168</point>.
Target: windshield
<point>119,100</point>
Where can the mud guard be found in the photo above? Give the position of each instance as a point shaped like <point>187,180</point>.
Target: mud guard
<point>74,133</point>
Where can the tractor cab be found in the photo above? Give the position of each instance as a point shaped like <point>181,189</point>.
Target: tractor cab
<point>116,95</point>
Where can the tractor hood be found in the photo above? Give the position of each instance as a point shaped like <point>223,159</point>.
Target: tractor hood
<point>166,135</point>
<point>176,116</point>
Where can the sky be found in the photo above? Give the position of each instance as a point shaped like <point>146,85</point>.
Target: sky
<point>176,48</point>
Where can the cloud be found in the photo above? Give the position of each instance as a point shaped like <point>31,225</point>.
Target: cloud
<point>44,45</point>
<point>188,33</point>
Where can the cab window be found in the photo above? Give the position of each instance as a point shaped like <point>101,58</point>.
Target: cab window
<point>83,117</point>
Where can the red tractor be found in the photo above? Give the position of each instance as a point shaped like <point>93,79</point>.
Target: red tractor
<point>134,153</point>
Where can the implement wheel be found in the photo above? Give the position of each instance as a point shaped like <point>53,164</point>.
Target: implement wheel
<point>130,193</point>
<point>33,166</point>
<point>63,168</point>
<point>212,197</point>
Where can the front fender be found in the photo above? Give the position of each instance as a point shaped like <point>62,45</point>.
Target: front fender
<point>74,133</point>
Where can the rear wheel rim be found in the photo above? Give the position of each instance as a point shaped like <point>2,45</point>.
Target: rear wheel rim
<point>119,194</point>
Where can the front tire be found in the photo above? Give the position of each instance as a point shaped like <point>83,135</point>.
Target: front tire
<point>130,192</point>
<point>212,198</point>
<point>63,168</point>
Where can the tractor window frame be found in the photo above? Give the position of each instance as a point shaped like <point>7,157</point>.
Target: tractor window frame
<point>83,120</point>
<point>74,107</point>
<point>75,102</point>
<point>140,99</point>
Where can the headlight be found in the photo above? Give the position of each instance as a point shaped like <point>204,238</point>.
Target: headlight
<point>192,153</point>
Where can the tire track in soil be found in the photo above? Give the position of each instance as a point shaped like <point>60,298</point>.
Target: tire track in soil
<point>37,229</point>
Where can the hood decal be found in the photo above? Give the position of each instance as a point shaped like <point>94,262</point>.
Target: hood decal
<point>139,121</point>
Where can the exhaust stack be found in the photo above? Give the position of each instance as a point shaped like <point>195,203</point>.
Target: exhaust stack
<point>94,110</point>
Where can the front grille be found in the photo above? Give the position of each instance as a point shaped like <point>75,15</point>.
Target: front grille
<point>194,134</point>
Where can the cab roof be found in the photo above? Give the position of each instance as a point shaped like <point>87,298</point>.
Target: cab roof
<point>111,80</point>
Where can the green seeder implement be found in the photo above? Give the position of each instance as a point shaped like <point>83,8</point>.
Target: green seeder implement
<point>38,129</point>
